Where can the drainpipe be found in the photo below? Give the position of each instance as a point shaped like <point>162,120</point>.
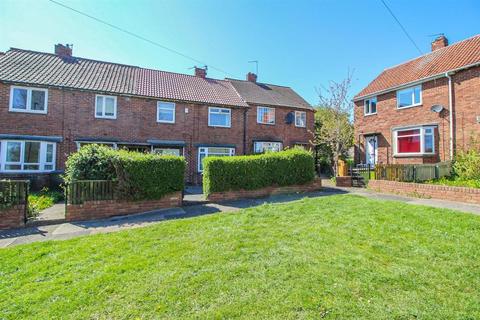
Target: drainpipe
<point>450,110</point>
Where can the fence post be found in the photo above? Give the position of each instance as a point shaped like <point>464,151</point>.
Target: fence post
<point>414,173</point>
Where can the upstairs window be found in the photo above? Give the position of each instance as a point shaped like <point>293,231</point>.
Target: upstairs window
<point>409,97</point>
<point>165,112</point>
<point>370,106</point>
<point>105,107</point>
<point>31,100</point>
<point>265,115</point>
<point>300,119</point>
<point>413,141</point>
<point>219,117</point>
<point>267,146</point>
<point>18,156</point>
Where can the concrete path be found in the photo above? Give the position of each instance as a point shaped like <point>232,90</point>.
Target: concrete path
<point>55,212</point>
<point>70,230</point>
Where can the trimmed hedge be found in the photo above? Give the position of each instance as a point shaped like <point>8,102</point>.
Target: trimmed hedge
<point>294,166</point>
<point>140,176</point>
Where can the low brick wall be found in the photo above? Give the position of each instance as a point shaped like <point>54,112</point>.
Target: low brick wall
<point>12,217</point>
<point>344,181</point>
<point>107,208</point>
<point>258,193</point>
<point>469,195</point>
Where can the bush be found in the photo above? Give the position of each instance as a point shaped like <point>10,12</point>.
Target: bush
<point>294,166</point>
<point>140,176</point>
<point>467,165</point>
<point>148,176</point>
<point>42,200</point>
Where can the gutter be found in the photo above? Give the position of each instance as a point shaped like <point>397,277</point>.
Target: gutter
<point>450,111</point>
<point>412,83</point>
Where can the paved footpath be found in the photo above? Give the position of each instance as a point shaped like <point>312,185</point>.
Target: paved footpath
<point>70,230</point>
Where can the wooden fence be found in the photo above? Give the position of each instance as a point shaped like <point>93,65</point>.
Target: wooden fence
<point>413,172</point>
<point>77,192</point>
<point>13,192</point>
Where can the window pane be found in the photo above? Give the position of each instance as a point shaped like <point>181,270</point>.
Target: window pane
<point>49,157</point>
<point>99,106</point>
<point>429,143</point>
<point>405,98</point>
<point>217,151</point>
<point>48,167</point>
<point>19,99</point>
<point>167,151</point>
<point>109,106</point>
<point>373,106</point>
<point>166,112</point>
<point>408,132</point>
<point>417,91</point>
<point>267,147</point>
<point>32,152</point>
<point>408,144</point>
<point>202,156</point>
<point>13,151</point>
<point>300,119</point>
<point>13,167</point>
<point>367,106</point>
<point>218,119</point>
<point>31,167</point>
<point>38,100</point>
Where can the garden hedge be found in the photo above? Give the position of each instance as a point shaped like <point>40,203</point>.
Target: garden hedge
<point>294,166</point>
<point>140,176</point>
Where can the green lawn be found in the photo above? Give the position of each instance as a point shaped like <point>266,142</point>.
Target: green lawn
<point>334,257</point>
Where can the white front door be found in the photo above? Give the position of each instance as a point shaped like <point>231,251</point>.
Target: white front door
<point>371,151</point>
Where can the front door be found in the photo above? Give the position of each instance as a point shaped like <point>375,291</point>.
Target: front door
<point>371,151</point>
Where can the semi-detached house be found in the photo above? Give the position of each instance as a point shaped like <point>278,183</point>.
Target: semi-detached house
<point>421,111</point>
<point>52,104</point>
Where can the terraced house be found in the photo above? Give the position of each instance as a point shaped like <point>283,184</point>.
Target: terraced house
<point>52,104</point>
<point>423,110</point>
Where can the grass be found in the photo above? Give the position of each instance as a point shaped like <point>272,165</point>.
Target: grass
<point>38,201</point>
<point>456,182</point>
<point>334,257</point>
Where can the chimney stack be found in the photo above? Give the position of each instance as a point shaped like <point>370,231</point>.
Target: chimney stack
<point>63,50</point>
<point>252,77</point>
<point>439,42</point>
<point>201,72</point>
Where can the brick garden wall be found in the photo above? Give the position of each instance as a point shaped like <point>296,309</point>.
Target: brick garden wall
<point>469,195</point>
<point>258,193</point>
<point>107,208</point>
<point>12,217</point>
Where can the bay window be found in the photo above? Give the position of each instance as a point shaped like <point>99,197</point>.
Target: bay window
<point>415,141</point>
<point>265,115</point>
<point>219,117</point>
<point>213,151</point>
<point>267,146</point>
<point>28,156</point>
<point>30,100</point>
<point>409,97</point>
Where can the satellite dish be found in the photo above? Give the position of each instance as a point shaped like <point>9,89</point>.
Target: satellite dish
<point>289,118</point>
<point>436,108</point>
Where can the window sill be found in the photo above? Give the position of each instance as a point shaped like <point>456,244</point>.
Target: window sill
<point>105,118</point>
<point>267,124</point>
<point>28,111</point>
<point>412,106</point>
<point>369,114</point>
<point>166,122</point>
<point>414,155</point>
<point>222,127</point>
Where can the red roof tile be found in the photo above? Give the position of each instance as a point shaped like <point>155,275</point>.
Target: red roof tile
<point>458,55</point>
<point>38,68</point>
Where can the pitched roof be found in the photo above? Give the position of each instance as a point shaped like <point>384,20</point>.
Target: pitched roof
<point>457,55</point>
<point>38,68</point>
<point>268,94</point>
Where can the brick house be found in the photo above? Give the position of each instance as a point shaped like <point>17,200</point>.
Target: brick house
<point>423,110</point>
<point>52,104</point>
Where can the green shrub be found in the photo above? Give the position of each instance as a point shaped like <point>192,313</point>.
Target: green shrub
<point>91,162</point>
<point>294,166</point>
<point>42,200</point>
<point>467,165</point>
<point>148,176</point>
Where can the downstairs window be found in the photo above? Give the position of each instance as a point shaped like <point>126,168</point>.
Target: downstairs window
<point>415,141</point>
<point>213,151</point>
<point>27,156</point>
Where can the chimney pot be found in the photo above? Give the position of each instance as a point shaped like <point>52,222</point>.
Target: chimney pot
<point>63,50</point>
<point>252,77</point>
<point>439,42</point>
<point>201,72</point>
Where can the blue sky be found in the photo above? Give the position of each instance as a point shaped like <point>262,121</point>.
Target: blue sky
<point>302,44</point>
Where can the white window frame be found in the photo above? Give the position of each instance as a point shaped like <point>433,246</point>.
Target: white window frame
<point>159,107</point>
<point>29,100</point>
<point>262,142</point>
<point>103,116</point>
<point>422,141</point>
<point>259,120</point>
<point>413,97</point>
<point>220,109</point>
<point>42,156</point>
<point>205,150</point>
<point>297,113</point>
<point>367,106</point>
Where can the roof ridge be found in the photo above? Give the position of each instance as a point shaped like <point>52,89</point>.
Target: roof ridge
<point>431,52</point>
<point>269,84</point>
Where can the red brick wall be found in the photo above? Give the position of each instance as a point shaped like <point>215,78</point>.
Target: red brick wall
<point>258,193</point>
<point>344,181</point>
<point>466,108</point>
<point>470,195</point>
<point>12,217</point>
<point>108,208</point>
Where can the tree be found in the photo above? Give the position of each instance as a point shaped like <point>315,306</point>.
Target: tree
<point>334,128</point>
